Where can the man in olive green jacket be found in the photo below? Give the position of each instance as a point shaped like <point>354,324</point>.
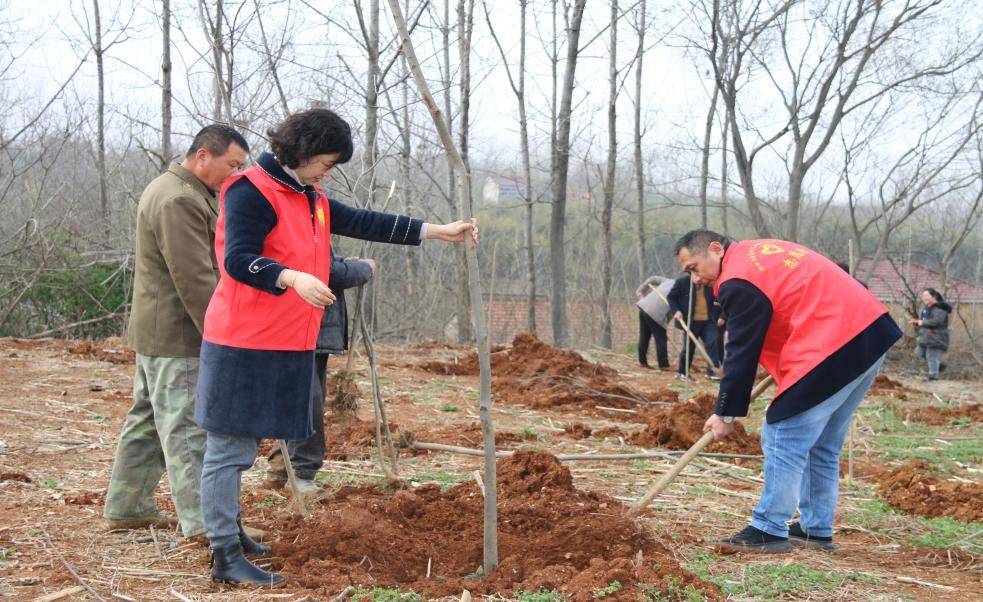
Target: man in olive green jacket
<point>175,273</point>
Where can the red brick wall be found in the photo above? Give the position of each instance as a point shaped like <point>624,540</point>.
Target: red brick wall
<point>507,318</point>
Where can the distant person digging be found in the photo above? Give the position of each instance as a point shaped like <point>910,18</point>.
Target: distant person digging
<point>653,314</point>
<point>933,331</point>
<point>823,338</point>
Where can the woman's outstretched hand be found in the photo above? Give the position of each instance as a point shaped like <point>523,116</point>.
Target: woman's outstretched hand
<point>308,287</point>
<point>454,231</point>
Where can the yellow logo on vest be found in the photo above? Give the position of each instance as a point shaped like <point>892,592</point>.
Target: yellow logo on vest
<point>320,215</point>
<point>770,249</point>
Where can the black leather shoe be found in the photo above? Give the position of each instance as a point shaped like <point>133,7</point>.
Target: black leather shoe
<point>798,536</point>
<point>248,545</point>
<point>230,566</point>
<point>751,539</point>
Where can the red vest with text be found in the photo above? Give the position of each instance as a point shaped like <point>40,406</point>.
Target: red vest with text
<point>817,307</point>
<point>242,316</point>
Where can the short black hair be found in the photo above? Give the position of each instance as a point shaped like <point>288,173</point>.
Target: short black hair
<point>697,241</point>
<point>308,134</point>
<point>843,266</point>
<point>216,139</point>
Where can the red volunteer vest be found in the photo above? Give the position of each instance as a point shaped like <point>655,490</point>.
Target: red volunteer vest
<point>817,307</point>
<point>239,315</point>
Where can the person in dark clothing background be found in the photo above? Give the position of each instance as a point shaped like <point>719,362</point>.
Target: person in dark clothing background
<point>823,338</point>
<point>653,313</point>
<point>933,331</point>
<point>307,455</point>
<point>702,323</point>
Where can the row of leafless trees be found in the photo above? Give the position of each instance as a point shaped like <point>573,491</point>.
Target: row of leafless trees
<point>824,122</point>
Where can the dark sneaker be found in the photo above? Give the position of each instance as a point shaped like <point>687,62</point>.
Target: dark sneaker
<point>941,368</point>
<point>712,376</point>
<point>751,539</point>
<point>797,536</point>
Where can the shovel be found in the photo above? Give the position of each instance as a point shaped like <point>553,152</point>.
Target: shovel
<point>296,497</point>
<point>686,458</point>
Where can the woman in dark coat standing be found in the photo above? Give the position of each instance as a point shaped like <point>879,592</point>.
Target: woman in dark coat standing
<point>272,243</point>
<point>933,331</point>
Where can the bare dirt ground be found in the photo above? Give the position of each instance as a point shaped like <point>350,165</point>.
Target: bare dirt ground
<point>908,523</point>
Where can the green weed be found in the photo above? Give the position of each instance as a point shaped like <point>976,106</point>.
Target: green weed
<point>543,595</point>
<point>380,594</point>
<point>449,407</point>
<point>770,580</point>
<point>608,590</point>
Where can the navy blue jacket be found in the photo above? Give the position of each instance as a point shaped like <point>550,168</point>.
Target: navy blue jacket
<point>333,336</point>
<point>679,300</point>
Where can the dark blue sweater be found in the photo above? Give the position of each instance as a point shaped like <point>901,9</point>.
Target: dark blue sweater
<point>246,227</point>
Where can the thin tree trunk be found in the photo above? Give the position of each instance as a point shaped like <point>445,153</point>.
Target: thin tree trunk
<point>526,172</point>
<point>101,121</point>
<point>412,255</point>
<point>639,170</point>
<point>705,160</point>
<point>270,64</point>
<point>166,95</point>
<point>723,174</point>
<point>465,25</point>
<point>606,212</point>
<point>217,58</point>
<point>490,547</point>
<point>558,260</point>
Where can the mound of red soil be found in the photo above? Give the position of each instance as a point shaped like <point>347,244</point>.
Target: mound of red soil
<point>551,535</point>
<point>681,425</point>
<point>578,430</point>
<point>113,351</point>
<point>15,476</point>
<point>944,415</point>
<point>528,356</point>
<point>538,375</point>
<point>887,387</point>
<point>910,489</point>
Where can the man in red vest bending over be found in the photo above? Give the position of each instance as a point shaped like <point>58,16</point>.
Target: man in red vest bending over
<point>822,336</point>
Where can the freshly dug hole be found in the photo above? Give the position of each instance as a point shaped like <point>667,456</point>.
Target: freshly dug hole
<point>551,535</point>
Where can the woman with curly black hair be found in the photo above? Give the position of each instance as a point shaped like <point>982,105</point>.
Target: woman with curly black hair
<point>272,243</point>
<point>933,331</point>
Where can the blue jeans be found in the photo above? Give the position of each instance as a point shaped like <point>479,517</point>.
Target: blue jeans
<point>802,462</point>
<point>226,458</point>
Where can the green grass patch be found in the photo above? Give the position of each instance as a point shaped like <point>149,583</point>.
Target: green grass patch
<point>670,590</point>
<point>444,478</point>
<point>528,433</point>
<point>768,579</point>
<point>943,532</point>
<point>51,484</point>
<point>700,490</point>
<point>608,590</point>
<point>899,447</point>
<point>543,595</point>
<point>449,407</point>
<point>380,594</point>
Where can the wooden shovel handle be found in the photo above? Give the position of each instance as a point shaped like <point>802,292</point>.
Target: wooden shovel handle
<point>673,472</point>
<point>686,458</point>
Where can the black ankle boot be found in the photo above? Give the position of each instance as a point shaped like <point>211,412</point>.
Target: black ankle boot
<point>230,566</point>
<point>248,545</point>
